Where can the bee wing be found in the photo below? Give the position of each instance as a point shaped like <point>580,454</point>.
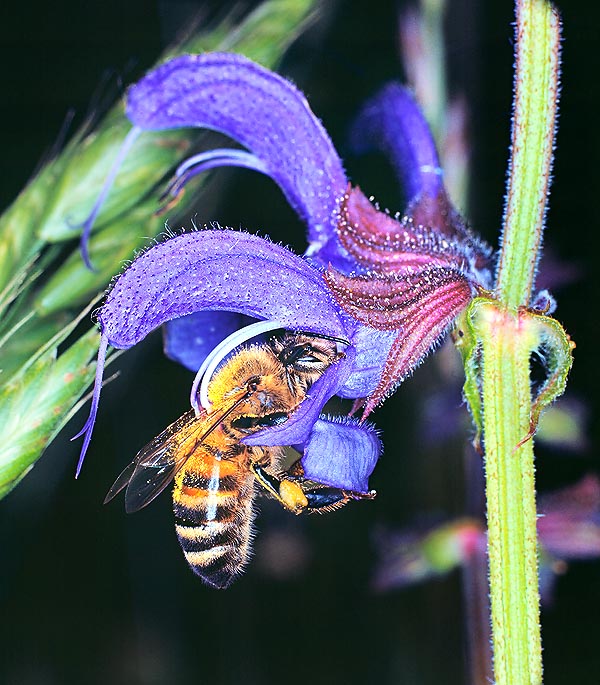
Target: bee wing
<point>156,464</point>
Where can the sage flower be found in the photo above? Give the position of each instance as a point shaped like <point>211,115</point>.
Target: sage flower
<point>223,270</point>
<point>389,287</point>
<point>412,274</point>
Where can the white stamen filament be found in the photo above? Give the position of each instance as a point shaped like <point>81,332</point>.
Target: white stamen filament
<point>199,392</point>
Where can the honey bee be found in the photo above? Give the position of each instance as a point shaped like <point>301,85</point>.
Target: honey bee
<point>216,476</point>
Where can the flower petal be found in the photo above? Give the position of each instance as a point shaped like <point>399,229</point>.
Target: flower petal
<point>191,338</point>
<point>393,123</point>
<point>372,348</point>
<point>262,111</point>
<point>342,453</point>
<point>218,270</point>
<point>296,430</point>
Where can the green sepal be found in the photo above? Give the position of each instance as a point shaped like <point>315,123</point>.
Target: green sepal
<point>469,346</point>
<point>547,337</point>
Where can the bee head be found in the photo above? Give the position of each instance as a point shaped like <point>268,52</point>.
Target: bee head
<point>304,359</point>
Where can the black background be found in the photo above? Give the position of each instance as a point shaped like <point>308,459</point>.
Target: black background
<point>90,595</point>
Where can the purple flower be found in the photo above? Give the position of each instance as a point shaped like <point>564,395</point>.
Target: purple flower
<point>222,270</point>
<point>389,287</point>
<point>411,276</point>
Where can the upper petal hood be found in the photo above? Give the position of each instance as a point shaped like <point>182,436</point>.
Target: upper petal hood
<point>262,111</point>
<point>393,123</point>
<point>190,339</point>
<point>219,270</point>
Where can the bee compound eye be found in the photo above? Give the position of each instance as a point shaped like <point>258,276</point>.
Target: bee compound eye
<point>300,354</point>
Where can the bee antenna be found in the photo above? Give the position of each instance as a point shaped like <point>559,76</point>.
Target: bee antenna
<point>199,391</point>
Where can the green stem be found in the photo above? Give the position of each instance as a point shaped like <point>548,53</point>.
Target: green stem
<point>508,335</point>
<point>537,67</point>
<point>507,340</point>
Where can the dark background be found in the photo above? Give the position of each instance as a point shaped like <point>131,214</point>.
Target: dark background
<point>90,595</point>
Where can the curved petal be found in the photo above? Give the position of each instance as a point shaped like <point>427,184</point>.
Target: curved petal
<point>190,339</point>
<point>393,123</point>
<point>296,430</point>
<point>262,111</point>
<point>372,348</point>
<point>341,452</point>
<point>218,270</point>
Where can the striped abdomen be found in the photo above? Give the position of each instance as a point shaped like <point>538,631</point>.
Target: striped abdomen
<point>212,501</point>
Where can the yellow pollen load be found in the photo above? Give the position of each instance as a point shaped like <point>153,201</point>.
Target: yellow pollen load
<point>292,496</point>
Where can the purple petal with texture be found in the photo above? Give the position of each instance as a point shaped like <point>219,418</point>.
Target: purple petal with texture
<point>393,123</point>
<point>259,109</point>
<point>296,430</point>
<point>341,452</point>
<point>372,349</point>
<point>223,271</point>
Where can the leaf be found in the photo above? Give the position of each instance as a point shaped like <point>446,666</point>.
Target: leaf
<point>39,400</point>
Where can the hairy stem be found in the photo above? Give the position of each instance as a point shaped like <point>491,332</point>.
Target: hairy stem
<point>507,341</point>
<point>537,67</point>
<point>507,335</point>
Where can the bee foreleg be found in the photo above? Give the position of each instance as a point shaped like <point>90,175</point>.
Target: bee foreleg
<point>322,498</point>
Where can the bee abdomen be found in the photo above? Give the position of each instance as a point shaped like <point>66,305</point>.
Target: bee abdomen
<point>214,532</point>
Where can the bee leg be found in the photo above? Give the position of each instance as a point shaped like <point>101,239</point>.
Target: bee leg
<point>287,492</point>
<point>325,499</point>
